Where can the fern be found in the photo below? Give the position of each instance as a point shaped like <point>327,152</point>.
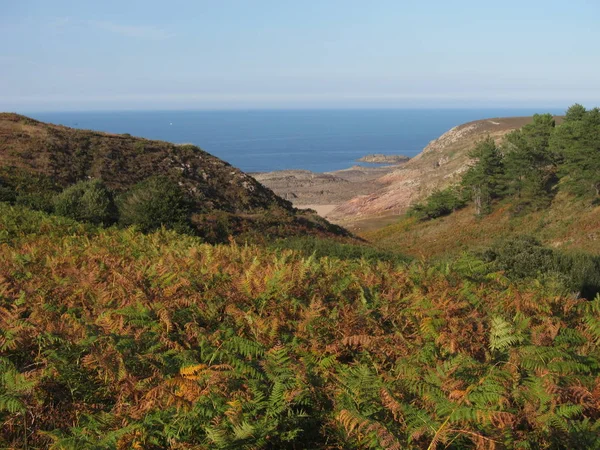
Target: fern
<point>502,335</point>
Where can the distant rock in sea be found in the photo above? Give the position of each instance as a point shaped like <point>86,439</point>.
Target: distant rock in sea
<point>380,158</point>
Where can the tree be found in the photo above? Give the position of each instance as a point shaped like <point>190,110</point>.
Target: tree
<point>575,112</point>
<point>88,201</point>
<point>577,140</point>
<point>155,202</point>
<point>485,179</point>
<point>530,163</point>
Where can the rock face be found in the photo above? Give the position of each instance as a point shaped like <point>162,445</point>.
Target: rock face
<point>380,158</point>
<point>440,164</point>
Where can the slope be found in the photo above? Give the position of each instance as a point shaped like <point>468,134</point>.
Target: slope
<point>113,339</point>
<point>569,224</point>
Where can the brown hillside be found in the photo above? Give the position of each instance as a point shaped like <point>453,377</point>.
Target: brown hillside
<point>67,155</point>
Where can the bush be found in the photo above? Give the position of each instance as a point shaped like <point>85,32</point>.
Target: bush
<point>521,257</point>
<point>7,192</point>
<point>87,201</point>
<point>155,202</point>
<point>24,188</point>
<point>39,201</point>
<point>525,257</point>
<point>583,272</point>
<point>439,203</point>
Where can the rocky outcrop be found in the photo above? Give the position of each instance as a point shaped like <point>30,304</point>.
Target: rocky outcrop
<point>380,158</point>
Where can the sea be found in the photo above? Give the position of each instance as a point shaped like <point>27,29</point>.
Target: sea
<point>267,140</point>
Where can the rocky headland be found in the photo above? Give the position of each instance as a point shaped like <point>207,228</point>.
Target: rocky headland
<point>380,158</point>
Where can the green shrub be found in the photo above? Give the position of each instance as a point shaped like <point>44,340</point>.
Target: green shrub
<point>439,203</point>
<point>40,201</point>
<point>33,190</point>
<point>87,201</point>
<point>525,257</point>
<point>155,202</point>
<point>521,257</point>
<point>582,271</point>
<point>7,192</point>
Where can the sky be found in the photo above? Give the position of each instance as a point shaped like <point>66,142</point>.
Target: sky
<point>242,54</point>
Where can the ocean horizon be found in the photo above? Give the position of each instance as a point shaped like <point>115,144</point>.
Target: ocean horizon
<point>320,140</point>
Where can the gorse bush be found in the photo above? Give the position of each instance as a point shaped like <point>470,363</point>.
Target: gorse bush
<point>112,339</point>
<point>87,201</point>
<point>521,257</point>
<point>153,203</point>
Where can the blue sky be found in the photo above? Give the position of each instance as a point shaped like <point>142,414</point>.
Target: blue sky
<point>173,54</point>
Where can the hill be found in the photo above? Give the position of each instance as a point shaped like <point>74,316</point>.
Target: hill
<point>542,180</point>
<point>222,196</point>
<point>440,164</point>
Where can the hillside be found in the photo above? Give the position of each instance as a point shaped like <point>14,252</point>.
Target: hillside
<point>542,181</point>
<point>440,164</point>
<point>113,339</point>
<point>569,224</point>
<point>56,157</point>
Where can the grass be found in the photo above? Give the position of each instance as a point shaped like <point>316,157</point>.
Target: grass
<point>568,224</point>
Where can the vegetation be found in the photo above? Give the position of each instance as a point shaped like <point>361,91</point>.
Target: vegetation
<point>539,180</point>
<point>149,337</point>
<point>115,339</point>
<point>153,203</point>
<point>87,201</point>
<point>525,257</point>
<point>40,160</point>
<point>438,204</point>
<point>528,167</point>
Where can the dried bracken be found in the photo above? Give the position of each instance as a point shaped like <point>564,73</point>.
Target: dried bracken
<point>115,339</point>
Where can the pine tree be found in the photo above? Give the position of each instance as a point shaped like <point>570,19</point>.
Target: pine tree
<point>578,142</point>
<point>530,164</point>
<point>485,179</point>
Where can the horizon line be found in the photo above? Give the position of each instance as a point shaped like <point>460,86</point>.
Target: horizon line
<point>290,109</point>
